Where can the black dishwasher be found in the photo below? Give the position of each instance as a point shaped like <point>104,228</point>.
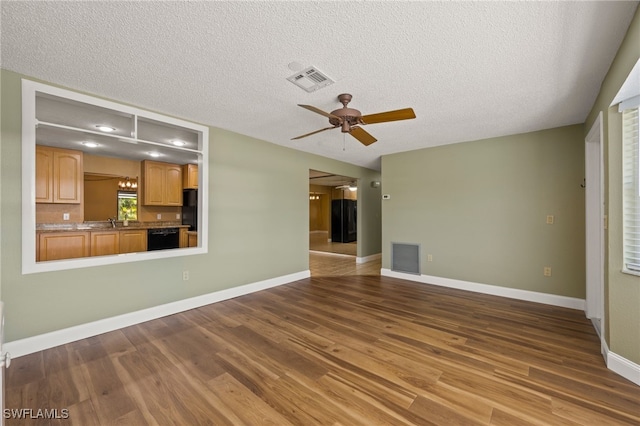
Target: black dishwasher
<point>163,238</point>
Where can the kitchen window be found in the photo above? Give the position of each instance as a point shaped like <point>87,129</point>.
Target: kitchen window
<point>127,205</point>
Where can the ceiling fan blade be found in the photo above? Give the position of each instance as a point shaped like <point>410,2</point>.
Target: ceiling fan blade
<point>313,133</point>
<point>319,111</point>
<point>383,117</point>
<point>362,135</point>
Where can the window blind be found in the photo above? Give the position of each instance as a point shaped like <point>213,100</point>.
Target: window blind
<point>631,189</point>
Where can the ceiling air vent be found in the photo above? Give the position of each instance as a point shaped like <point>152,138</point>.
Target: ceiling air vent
<point>310,79</point>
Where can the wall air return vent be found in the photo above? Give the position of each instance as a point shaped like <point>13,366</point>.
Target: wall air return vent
<point>310,79</point>
<point>405,258</point>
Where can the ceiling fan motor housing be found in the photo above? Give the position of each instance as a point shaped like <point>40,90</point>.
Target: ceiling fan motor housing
<point>348,116</point>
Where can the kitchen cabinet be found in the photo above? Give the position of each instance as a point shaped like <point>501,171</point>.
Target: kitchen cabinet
<point>62,245</point>
<point>184,238</point>
<point>133,241</point>
<point>190,176</point>
<point>105,242</point>
<point>193,239</point>
<point>59,175</point>
<point>162,184</point>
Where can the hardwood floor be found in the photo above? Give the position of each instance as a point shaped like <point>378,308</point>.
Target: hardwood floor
<point>360,350</point>
<point>318,241</point>
<point>331,265</point>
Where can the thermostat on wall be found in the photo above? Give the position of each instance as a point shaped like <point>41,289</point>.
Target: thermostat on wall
<point>386,196</point>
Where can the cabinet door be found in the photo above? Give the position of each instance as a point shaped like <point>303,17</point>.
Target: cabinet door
<point>193,239</point>
<point>173,195</point>
<point>44,175</point>
<point>190,176</point>
<point>154,183</point>
<point>184,238</point>
<point>133,241</point>
<point>59,176</point>
<point>63,245</point>
<point>105,242</point>
<point>67,177</point>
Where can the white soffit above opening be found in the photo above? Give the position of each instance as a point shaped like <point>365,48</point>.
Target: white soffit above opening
<point>470,70</point>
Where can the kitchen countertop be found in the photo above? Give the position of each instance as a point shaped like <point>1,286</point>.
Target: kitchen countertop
<point>104,226</point>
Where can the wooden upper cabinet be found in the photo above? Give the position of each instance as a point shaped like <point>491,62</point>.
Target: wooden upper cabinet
<point>190,176</point>
<point>59,176</point>
<point>162,184</point>
<point>44,175</point>
<point>174,185</point>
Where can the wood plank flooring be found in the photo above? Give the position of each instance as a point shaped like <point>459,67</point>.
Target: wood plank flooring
<point>359,350</point>
<point>331,265</point>
<point>319,241</point>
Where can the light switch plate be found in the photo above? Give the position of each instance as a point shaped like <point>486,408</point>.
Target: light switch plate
<point>159,216</point>
<point>65,216</point>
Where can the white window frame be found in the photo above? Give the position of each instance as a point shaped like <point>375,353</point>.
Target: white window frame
<point>29,122</point>
<point>631,185</point>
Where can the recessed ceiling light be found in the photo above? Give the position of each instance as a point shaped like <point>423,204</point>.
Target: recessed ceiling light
<point>104,128</point>
<point>178,143</point>
<point>154,154</point>
<point>91,144</point>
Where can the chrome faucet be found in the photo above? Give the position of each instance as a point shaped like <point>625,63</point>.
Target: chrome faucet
<point>112,221</point>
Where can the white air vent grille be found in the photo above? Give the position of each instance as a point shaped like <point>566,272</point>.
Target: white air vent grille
<point>310,79</point>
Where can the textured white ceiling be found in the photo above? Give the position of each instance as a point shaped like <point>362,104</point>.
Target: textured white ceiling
<point>470,70</point>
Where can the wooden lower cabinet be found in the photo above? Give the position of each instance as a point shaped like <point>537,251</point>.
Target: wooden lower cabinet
<point>63,245</point>
<point>193,239</point>
<point>105,242</point>
<point>184,239</point>
<point>133,241</point>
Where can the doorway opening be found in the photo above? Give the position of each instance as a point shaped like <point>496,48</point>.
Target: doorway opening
<point>594,217</point>
<point>333,226</point>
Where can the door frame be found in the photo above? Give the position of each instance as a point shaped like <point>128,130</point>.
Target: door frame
<point>595,226</point>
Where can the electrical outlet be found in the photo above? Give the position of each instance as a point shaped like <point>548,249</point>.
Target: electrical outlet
<point>177,215</point>
<point>159,216</point>
<point>547,271</point>
<point>429,258</point>
<point>550,219</point>
<point>65,216</point>
<point>185,275</point>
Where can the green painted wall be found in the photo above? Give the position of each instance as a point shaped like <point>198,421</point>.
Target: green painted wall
<point>479,208</point>
<point>622,291</point>
<point>258,229</point>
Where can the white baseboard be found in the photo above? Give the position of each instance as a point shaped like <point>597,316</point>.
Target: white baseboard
<point>622,366</point>
<point>513,293</point>
<point>329,253</point>
<point>40,342</point>
<point>369,258</point>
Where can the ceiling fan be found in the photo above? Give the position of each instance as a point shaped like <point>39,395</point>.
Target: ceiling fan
<point>350,120</point>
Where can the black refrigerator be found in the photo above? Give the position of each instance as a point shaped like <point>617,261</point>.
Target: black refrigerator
<point>190,208</point>
<point>343,221</point>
